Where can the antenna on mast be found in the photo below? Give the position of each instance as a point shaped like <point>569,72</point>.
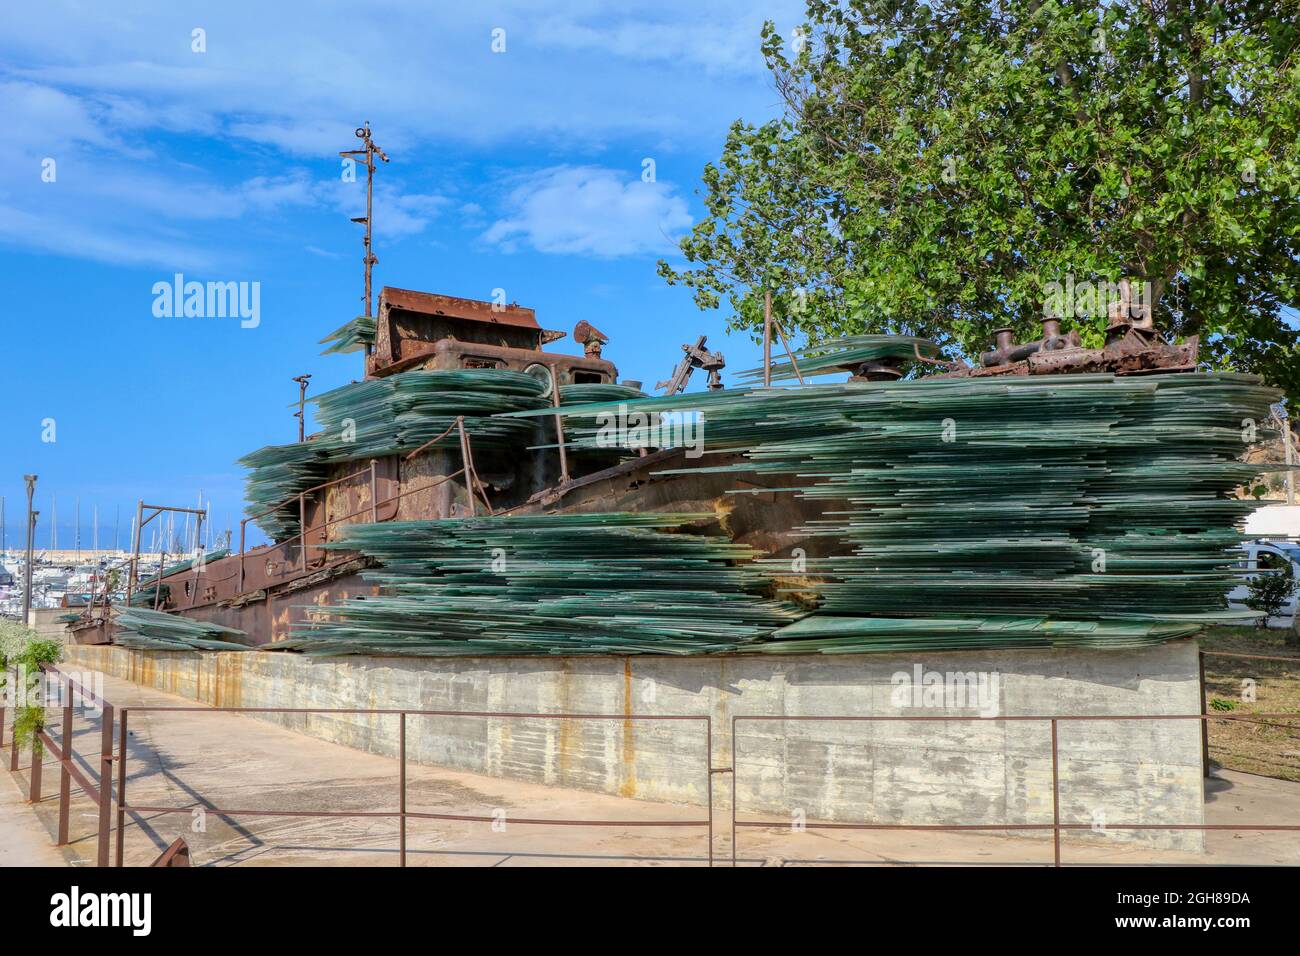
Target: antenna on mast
<point>369,152</point>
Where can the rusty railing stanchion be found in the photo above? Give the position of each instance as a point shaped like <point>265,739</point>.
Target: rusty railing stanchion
<point>735,772</point>
<point>105,782</point>
<point>65,759</point>
<point>401,802</point>
<point>708,778</point>
<point>1056,800</point>
<point>374,493</point>
<point>121,784</point>
<point>38,756</point>
<point>302,528</point>
<point>1205,724</point>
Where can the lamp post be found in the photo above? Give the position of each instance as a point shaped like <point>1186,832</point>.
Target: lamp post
<point>31,533</point>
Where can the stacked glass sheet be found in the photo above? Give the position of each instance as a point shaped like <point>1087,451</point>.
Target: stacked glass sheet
<point>548,584</point>
<point>160,631</point>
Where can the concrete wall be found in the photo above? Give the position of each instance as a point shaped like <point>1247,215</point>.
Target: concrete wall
<point>44,620</point>
<point>890,771</point>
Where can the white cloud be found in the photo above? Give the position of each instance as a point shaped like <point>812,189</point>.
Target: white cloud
<point>59,235</point>
<point>588,210</point>
<point>110,92</point>
<point>300,76</point>
<point>722,39</point>
<point>398,213</point>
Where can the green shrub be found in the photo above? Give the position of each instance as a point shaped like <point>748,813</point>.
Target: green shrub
<point>23,648</point>
<point>1269,591</point>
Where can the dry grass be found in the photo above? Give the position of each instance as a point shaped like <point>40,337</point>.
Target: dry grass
<point>1254,748</point>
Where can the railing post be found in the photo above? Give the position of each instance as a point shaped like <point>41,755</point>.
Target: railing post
<point>302,528</point>
<point>105,782</point>
<point>243,525</point>
<point>708,778</point>
<point>121,783</point>
<point>65,761</point>
<point>34,791</point>
<point>1205,724</point>
<point>374,494</point>
<point>1056,801</point>
<point>735,772</point>
<point>401,801</point>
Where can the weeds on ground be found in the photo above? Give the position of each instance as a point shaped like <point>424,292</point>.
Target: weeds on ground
<point>1242,687</point>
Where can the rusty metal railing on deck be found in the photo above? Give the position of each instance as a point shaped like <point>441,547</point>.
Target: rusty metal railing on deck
<point>472,485</point>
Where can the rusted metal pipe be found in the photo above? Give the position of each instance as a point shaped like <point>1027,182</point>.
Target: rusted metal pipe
<point>789,353</point>
<point>559,425</point>
<point>464,465</point>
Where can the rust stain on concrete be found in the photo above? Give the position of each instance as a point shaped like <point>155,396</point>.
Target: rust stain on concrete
<point>565,743</point>
<point>628,786</point>
<point>227,684</point>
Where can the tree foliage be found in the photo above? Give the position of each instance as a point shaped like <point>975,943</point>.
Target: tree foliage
<point>938,165</point>
<point>1269,591</point>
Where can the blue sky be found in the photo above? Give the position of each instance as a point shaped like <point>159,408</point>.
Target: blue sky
<point>518,170</point>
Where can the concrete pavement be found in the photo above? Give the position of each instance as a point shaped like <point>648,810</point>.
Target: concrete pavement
<point>23,840</point>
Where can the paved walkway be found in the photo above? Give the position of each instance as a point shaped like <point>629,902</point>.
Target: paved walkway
<point>23,840</point>
<point>201,763</point>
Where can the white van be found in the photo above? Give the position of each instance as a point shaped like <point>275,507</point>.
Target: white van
<point>1267,555</point>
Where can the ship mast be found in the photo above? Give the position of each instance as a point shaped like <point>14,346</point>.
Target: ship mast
<point>369,152</point>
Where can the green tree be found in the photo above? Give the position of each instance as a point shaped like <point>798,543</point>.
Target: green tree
<point>1269,591</point>
<point>940,165</point>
